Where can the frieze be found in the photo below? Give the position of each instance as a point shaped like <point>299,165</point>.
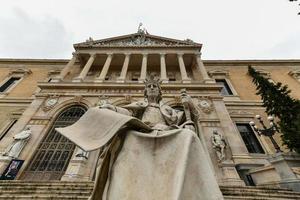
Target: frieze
<point>38,122</point>
<point>241,113</point>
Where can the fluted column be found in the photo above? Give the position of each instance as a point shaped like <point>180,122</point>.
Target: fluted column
<point>66,69</point>
<point>202,69</point>
<point>184,77</point>
<point>122,77</point>
<point>163,69</point>
<point>144,68</point>
<point>105,68</point>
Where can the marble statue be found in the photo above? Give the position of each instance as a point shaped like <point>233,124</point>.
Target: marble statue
<point>149,150</point>
<point>18,144</point>
<point>219,144</point>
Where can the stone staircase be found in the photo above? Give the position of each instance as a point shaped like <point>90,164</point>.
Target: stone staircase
<point>56,190</point>
<point>258,193</point>
<point>62,190</point>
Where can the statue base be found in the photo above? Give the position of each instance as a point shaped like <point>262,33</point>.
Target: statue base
<point>230,175</point>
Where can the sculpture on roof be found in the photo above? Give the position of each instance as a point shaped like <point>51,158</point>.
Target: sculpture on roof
<point>142,30</point>
<point>150,150</point>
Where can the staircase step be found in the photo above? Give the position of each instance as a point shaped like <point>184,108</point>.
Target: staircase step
<point>44,197</point>
<point>252,198</point>
<point>62,190</point>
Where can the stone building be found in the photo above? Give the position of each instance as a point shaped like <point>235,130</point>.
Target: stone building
<point>42,94</point>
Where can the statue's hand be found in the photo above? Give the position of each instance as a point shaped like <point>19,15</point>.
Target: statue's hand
<point>108,106</point>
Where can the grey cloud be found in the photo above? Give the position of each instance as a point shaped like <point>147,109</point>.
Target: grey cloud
<point>24,36</point>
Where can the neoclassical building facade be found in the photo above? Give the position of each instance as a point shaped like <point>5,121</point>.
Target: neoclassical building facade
<point>42,94</point>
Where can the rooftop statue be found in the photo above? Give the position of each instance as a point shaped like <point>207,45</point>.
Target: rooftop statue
<point>149,153</point>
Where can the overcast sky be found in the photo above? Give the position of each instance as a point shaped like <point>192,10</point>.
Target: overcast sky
<point>228,29</point>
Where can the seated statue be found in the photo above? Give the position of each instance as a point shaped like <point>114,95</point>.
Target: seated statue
<point>149,153</point>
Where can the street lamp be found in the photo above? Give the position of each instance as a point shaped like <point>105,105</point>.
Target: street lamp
<point>269,132</point>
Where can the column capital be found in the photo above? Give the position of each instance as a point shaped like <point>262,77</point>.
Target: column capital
<point>93,55</point>
<point>110,54</point>
<point>198,54</point>
<point>162,54</point>
<point>127,54</point>
<point>180,54</point>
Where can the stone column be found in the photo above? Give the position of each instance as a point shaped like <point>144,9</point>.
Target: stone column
<point>202,69</point>
<point>66,69</point>
<point>144,68</point>
<point>163,69</point>
<point>85,69</point>
<point>105,68</point>
<point>122,77</point>
<point>184,77</point>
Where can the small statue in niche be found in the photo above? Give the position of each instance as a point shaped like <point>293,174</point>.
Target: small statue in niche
<point>219,144</point>
<point>20,140</point>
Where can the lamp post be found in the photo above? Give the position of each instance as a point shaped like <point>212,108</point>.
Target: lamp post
<point>269,132</point>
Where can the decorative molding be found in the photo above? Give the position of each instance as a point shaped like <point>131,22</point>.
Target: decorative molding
<point>78,98</point>
<point>205,104</point>
<point>20,71</point>
<point>264,73</point>
<point>54,72</point>
<point>295,74</point>
<point>38,122</point>
<point>50,103</point>
<point>102,100</point>
<point>218,72</point>
<point>240,113</point>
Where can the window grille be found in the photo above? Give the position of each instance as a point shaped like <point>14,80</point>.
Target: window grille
<point>53,154</point>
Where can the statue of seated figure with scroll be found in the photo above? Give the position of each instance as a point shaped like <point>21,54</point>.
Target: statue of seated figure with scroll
<point>148,152</point>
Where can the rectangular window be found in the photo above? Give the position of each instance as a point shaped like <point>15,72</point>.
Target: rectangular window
<point>9,83</point>
<point>249,138</point>
<point>11,124</point>
<point>226,89</point>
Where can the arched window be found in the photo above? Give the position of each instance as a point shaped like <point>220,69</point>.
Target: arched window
<point>52,156</point>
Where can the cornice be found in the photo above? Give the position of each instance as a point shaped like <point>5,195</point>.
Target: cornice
<point>141,86</point>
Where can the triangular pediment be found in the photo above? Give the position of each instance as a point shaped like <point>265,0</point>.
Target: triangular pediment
<point>137,40</point>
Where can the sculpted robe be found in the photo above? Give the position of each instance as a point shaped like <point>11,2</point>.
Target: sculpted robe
<point>148,159</point>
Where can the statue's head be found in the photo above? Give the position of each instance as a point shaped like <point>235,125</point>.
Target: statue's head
<point>152,88</point>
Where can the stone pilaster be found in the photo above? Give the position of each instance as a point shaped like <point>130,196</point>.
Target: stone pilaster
<point>163,69</point>
<point>85,69</point>
<point>105,68</point>
<point>144,68</point>
<point>122,77</point>
<point>184,77</point>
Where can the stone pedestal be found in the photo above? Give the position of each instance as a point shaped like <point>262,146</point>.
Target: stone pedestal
<point>76,170</point>
<point>4,162</point>
<point>230,175</point>
<point>287,165</point>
